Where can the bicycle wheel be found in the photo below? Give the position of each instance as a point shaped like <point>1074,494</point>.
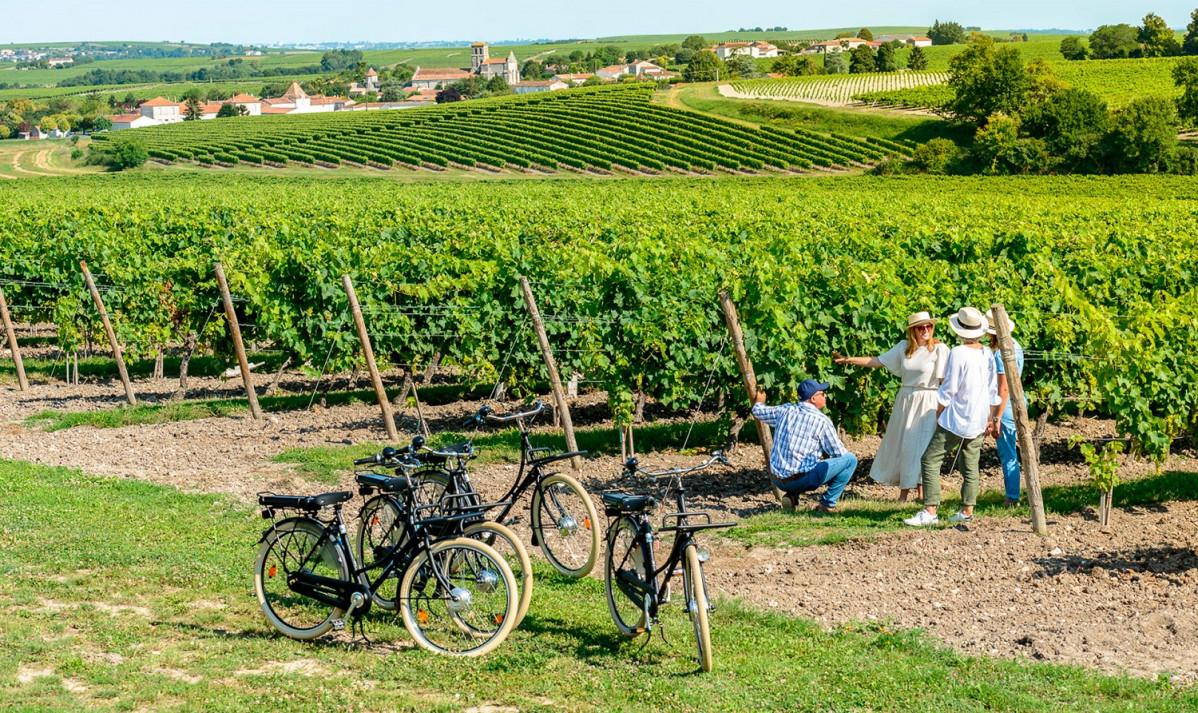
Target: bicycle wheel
<point>565,525</point>
<point>477,612</point>
<point>431,484</point>
<point>624,554</point>
<point>291,547</point>
<point>505,542</point>
<point>380,532</point>
<point>695,587</point>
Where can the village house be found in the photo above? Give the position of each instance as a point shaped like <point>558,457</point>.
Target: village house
<point>642,69</point>
<point>757,49</point>
<point>161,111</point>
<point>132,121</point>
<point>548,85</point>
<point>573,79</point>
<point>369,84</point>
<point>908,40</point>
<point>481,64</point>
<point>845,44</point>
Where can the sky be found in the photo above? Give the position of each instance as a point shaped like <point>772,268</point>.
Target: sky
<point>270,21</point>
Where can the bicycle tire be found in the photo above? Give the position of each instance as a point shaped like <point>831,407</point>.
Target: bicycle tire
<point>431,485</point>
<point>621,546</point>
<point>379,526</point>
<point>293,614</point>
<point>426,610</point>
<point>575,545</point>
<point>522,567</point>
<point>697,605</point>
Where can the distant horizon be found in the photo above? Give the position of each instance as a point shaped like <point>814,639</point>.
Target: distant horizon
<point>304,22</point>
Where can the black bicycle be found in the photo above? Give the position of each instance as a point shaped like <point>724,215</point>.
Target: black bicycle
<point>562,517</point>
<point>636,586</point>
<point>457,596</point>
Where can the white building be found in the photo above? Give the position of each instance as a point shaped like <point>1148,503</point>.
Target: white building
<point>436,78</point>
<point>132,121</point>
<point>755,50</point>
<point>252,105</point>
<point>909,40</point>
<point>573,79</point>
<point>369,84</point>
<point>642,69</point>
<point>162,111</point>
<point>548,85</point>
<point>845,44</point>
<point>481,64</point>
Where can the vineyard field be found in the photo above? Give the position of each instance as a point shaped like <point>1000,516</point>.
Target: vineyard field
<point>1097,273</point>
<point>601,129</point>
<point>835,89</point>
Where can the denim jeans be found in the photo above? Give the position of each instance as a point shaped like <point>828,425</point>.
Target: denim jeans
<point>834,472</point>
<point>1009,457</point>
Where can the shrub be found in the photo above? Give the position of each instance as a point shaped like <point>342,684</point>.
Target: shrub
<point>936,156</point>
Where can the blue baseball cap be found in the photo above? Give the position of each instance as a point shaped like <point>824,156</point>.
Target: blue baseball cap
<point>811,387</point>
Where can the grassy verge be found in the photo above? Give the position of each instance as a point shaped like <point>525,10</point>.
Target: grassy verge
<point>866,518</point>
<point>854,122</point>
<point>119,595</point>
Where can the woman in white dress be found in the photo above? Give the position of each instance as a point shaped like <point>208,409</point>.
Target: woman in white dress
<point>919,361</point>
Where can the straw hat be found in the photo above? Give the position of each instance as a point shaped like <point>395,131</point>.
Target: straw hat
<point>969,323</point>
<point>990,323</point>
<point>920,318</point>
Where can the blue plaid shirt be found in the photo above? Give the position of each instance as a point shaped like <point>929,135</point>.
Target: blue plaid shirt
<point>803,435</point>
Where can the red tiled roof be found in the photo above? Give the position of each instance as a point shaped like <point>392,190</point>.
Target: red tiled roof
<point>436,75</point>
<point>275,110</point>
<point>124,118</point>
<point>371,73</point>
<point>245,99</point>
<point>495,60</point>
<point>277,101</point>
<point>537,83</point>
<point>732,44</point>
<point>318,101</point>
<point>159,101</point>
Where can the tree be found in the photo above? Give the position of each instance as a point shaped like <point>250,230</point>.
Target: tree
<point>1185,76</point>
<point>694,42</point>
<point>534,70</point>
<point>192,110</point>
<point>391,90</point>
<point>1157,38</point>
<point>684,56</point>
<point>47,123</point>
<point>1072,124</point>
<point>4,132</point>
<point>835,63</point>
<point>128,154</point>
<point>337,60</point>
<point>101,123</point>
<point>917,61</point>
<point>227,110</point>
<point>1143,135</point>
<point>1114,42</point>
<point>843,36</point>
<point>999,149</point>
<point>862,60</point>
<point>1189,45</point>
<point>498,85</point>
<point>1072,48</point>
<point>449,94</point>
<point>592,81</point>
<point>743,66</point>
<point>795,66</point>
<point>987,81</point>
<point>887,59</point>
<point>865,34</point>
<point>705,67</point>
<point>936,156</point>
<point>946,33</point>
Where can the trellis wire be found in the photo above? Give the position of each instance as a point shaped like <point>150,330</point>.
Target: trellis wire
<point>711,375</point>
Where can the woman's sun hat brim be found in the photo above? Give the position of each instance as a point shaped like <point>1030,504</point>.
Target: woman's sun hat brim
<point>969,323</point>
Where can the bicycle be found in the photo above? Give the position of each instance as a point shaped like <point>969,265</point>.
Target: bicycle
<point>381,526</point>
<point>631,574</point>
<point>562,517</point>
<point>456,595</point>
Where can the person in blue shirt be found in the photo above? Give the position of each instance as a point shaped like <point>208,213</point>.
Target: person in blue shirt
<point>1003,429</point>
<point>803,435</point>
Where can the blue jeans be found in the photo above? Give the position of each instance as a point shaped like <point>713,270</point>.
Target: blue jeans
<point>1009,457</point>
<point>834,472</point>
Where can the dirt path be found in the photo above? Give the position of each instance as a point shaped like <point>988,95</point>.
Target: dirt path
<point>1117,598</point>
<point>16,163</point>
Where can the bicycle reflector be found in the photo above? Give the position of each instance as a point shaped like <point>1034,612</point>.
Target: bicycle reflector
<point>422,615</point>
<point>703,553</point>
<point>272,572</point>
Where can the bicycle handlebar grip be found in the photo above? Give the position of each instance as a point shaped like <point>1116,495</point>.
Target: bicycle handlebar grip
<point>369,460</point>
<point>631,465</point>
<point>417,443</point>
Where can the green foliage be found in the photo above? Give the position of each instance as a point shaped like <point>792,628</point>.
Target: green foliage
<point>1189,45</point>
<point>865,34</point>
<point>835,63</point>
<point>862,60</point>
<point>1185,76</point>
<point>1072,124</point>
<point>946,33</point>
<point>1143,135</point>
<point>987,81</point>
<point>118,155</point>
<point>938,156</point>
<point>391,90</point>
<point>1000,150</point>
<point>740,66</point>
<point>1114,42</point>
<point>917,61</point>
<point>704,67</point>
<point>1104,464</point>
<point>1072,48</point>
<point>792,65</point>
<point>1156,38</point>
<point>887,59</point>
<point>694,42</point>
<point>338,60</point>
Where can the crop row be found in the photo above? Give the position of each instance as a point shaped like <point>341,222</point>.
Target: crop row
<point>833,89</point>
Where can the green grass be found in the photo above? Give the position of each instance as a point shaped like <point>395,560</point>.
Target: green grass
<point>861,518</point>
<point>121,595</point>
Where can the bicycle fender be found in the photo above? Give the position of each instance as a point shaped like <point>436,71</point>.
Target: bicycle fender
<point>282,522</point>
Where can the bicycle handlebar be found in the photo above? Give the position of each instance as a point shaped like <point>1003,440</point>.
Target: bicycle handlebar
<point>632,465</point>
<point>390,458</point>
<point>486,413</point>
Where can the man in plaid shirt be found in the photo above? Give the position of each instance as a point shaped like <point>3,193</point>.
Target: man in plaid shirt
<point>802,436</point>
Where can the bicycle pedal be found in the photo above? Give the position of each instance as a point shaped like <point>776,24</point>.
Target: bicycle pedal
<point>338,625</point>
<point>512,521</point>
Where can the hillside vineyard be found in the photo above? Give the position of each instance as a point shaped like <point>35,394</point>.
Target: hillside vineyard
<point>606,128</point>
<point>1097,272</point>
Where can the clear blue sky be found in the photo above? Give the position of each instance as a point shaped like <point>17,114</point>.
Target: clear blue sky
<point>266,21</point>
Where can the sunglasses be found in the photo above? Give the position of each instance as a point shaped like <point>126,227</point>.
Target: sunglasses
<point>927,327</point>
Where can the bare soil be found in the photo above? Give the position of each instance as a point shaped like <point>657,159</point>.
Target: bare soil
<point>1120,598</point>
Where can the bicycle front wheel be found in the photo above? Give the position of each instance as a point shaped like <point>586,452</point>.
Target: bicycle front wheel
<point>288,549</point>
<point>695,587</point>
<point>624,555</point>
<point>470,617</point>
<point>505,542</point>
<point>565,525</point>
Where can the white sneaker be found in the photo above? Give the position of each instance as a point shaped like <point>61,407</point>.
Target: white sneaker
<point>923,518</point>
<point>960,517</point>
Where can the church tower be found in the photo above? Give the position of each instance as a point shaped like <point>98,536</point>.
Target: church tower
<point>478,56</point>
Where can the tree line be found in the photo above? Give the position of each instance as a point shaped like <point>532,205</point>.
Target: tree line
<point>1153,38</point>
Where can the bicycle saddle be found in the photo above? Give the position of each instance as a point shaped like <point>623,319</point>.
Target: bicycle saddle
<point>304,502</point>
<point>385,483</point>
<point>627,503</point>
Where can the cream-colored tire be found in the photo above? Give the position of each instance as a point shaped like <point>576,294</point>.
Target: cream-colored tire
<point>566,525</point>
<point>504,541</point>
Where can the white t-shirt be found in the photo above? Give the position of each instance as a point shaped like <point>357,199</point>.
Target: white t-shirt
<point>969,390</point>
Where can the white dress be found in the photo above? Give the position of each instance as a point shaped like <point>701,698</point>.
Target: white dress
<point>913,420</point>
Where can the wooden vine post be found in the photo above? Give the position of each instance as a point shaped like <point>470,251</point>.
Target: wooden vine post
<point>749,377</point>
<point>12,342</point>
<point>559,395</point>
<point>116,347</point>
<point>1028,453</point>
<point>238,345</point>
<point>379,391</point>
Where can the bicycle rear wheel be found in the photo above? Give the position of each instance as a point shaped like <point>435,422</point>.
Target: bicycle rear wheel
<point>380,532</point>
<point>475,615</point>
<point>624,554</point>
<point>290,548</point>
<point>565,525</point>
<point>505,542</point>
<point>695,587</point>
